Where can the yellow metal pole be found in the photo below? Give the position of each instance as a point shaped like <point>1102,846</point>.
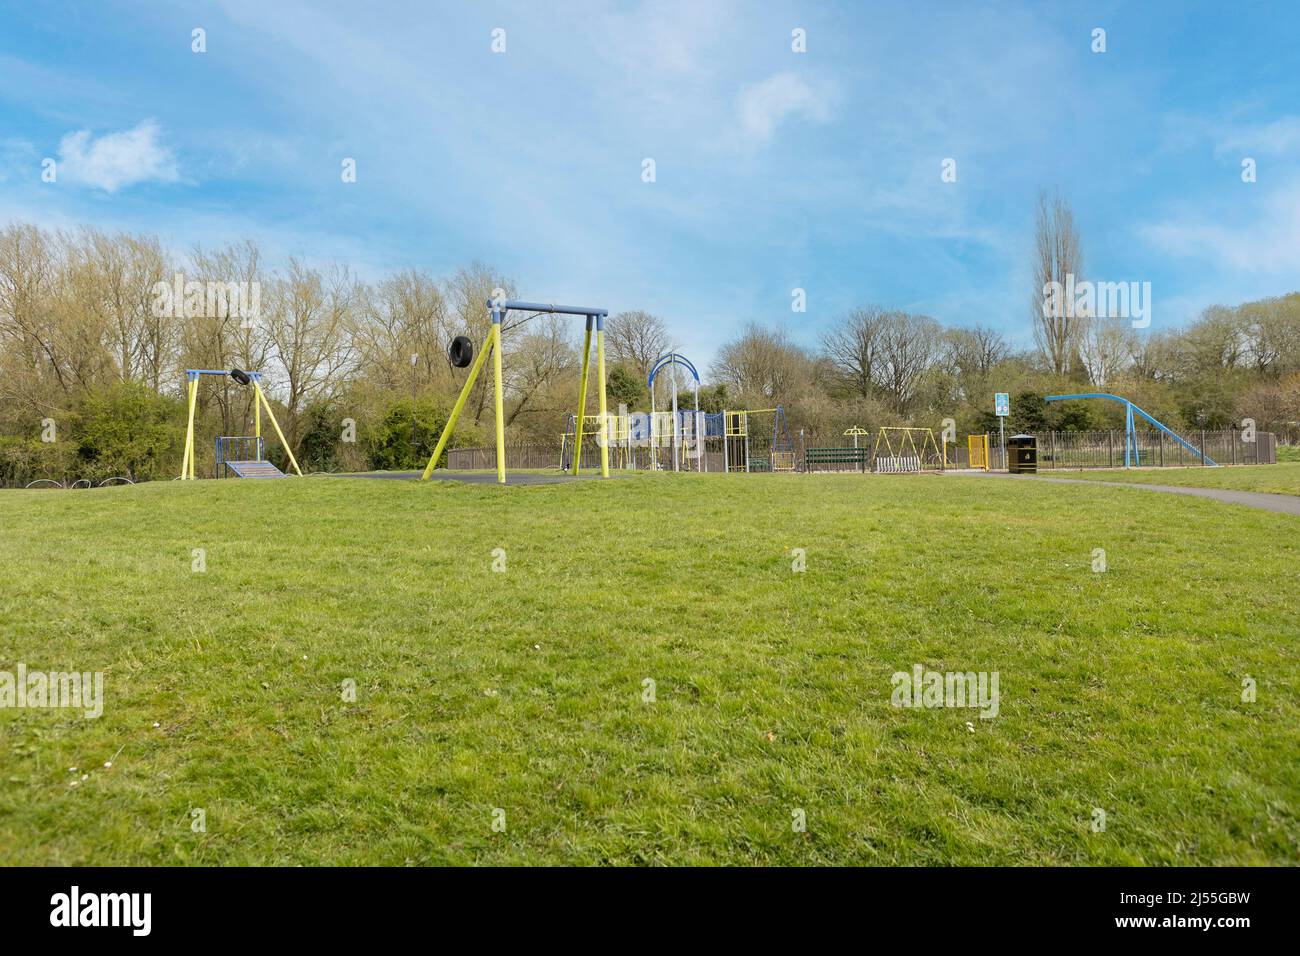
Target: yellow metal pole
<point>457,408</point>
<point>600,383</point>
<point>191,389</point>
<point>271,415</point>
<point>582,398</point>
<point>193,411</point>
<point>500,406</point>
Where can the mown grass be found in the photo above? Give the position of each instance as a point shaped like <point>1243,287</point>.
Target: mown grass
<point>1280,479</point>
<point>523,690</point>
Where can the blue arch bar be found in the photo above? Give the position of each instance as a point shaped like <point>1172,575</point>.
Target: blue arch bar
<point>672,358</point>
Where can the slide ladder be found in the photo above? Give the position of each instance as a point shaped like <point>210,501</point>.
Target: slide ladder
<point>254,469</point>
<point>243,457</point>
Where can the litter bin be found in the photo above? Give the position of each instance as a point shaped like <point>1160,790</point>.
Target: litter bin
<point>1022,455</point>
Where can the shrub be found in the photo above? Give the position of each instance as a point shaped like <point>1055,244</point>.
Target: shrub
<point>129,430</point>
<point>390,442</point>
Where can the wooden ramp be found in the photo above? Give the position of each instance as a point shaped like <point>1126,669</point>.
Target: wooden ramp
<point>254,469</point>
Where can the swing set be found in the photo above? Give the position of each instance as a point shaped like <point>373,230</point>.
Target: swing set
<point>462,351</point>
<point>240,455</point>
<point>901,452</point>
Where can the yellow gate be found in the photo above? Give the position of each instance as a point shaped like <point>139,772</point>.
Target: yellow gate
<point>977,447</point>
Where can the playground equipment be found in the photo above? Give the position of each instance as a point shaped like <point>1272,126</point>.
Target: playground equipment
<point>240,455</point>
<point>1131,453</point>
<point>677,429</point>
<point>625,432</point>
<point>901,451</point>
<point>462,350</point>
<point>749,449</point>
<point>856,432</point>
<point>659,441</point>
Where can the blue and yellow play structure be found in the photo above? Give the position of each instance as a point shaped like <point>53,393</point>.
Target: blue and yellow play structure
<point>239,455</point>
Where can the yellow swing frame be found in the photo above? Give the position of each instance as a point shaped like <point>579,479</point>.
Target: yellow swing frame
<point>192,376</point>
<point>927,442</point>
<point>499,309</point>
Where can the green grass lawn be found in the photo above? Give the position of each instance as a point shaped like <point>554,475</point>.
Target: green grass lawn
<point>1280,479</point>
<point>523,690</point>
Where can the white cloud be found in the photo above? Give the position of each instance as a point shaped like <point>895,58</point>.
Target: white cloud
<point>1269,241</point>
<point>115,160</point>
<point>1280,137</point>
<point>763,106</point>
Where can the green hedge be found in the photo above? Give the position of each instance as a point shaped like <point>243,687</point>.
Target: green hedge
<point>126,430</point>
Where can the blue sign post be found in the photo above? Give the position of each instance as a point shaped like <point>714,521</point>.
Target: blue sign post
<point>1002,408</point>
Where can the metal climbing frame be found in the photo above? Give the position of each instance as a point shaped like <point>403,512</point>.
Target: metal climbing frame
<point>686,442</point>
<point>745,449</point>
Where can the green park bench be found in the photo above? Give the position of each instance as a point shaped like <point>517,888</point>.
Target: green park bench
<point>835,456</point>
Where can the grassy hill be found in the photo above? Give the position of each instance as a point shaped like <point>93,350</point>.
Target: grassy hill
<point>523,690</point>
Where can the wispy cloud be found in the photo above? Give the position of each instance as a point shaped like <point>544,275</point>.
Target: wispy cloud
<point>1263,241</point>
<point>762,107</point>
<point>116,160</point>
<point>1279,137</point>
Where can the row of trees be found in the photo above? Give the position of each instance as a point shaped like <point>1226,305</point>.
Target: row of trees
<point>361,376</point>
<point>886,367</point>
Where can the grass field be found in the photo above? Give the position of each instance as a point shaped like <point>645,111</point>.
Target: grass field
<point>1280,479</point>
<point>524,690</point>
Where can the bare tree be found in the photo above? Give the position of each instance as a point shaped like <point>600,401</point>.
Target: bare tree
<point>853,349</point>
<point>763,363</point>
<point>1217,341</point>
<point>29,277</point>
<point>307,322</point>
<point>1272,330</point>
<point>403,315</point>
<point>468,292</point>
<point>1106,347</point>
<point>1057,256</point>
<point>223,338</point>
<point>1155,356</point>
<point>636,339</point>
<point>909,345</point>
<point>124,270</point>
<point>542,355</point>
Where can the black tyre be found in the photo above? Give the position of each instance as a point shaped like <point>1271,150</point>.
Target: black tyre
<point>240,376</point>
<point>461,352</point>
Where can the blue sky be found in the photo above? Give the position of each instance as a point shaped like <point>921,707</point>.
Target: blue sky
<point>774,169</point>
